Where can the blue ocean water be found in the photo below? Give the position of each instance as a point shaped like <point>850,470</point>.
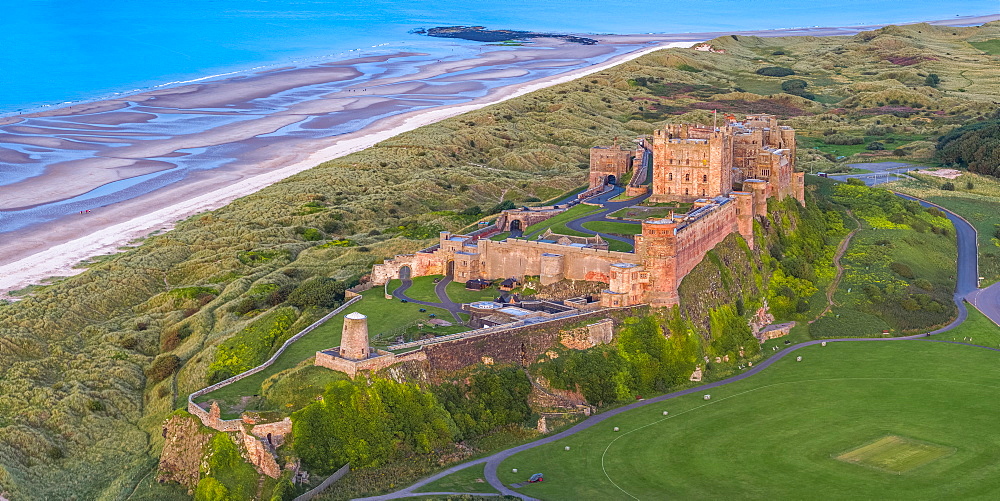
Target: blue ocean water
<point>59,51</point>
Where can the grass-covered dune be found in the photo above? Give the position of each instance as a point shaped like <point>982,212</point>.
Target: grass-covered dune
<point>91,365</point>
<point>794,432</point>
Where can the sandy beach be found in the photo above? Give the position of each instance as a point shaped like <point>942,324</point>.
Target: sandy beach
<point>271,125</point>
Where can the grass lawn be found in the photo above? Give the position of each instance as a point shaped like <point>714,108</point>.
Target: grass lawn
<point>615,245</point>
<point>640,213</point>
<point>384,315</point>
<point>612,227</point>
<point>558,222</point>
<point>421,290</point>
<point>978,206</point>
<point>989,46</point>
<point>777,435</point>
<point>500,236</point>
<point>897,141</point>
<point>470,479</point>
<point>977,327</point>
<point>459,294</point>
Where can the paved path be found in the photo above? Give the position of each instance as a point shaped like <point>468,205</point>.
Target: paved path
<point>967,267</point>
<point>609,207</point>
<point>445,302</point>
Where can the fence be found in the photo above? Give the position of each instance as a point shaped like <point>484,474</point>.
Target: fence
<point>203,415</point>
<point>344,470</point>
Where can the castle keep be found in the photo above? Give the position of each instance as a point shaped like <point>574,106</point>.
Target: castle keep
<point>725,173</point>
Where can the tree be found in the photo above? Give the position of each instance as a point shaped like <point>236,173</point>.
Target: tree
<point>949,186</point>
<point>875,146</point>
<point>932,80</point>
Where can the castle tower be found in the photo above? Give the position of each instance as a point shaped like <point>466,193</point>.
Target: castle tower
<point>692,162</point>
<point>354,340</point>
<point>744,215</point>
<point>660,260</point>
<point>609,164</point>
<point>758,189</point>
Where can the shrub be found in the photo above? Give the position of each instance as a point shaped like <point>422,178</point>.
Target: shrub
<point>924,284</point>
<point>475,210</point>
<point>875,146</point>
<point>949,186</point>
<point>775,71</point>
<point>95,405</point>
<point>502,206</point>
<point>969,185</point>
<point>162,367</point>
<point>311,234</point>
<point>319,291</point>
<point>843,139</point>
<point>902,270</point>
<point>932,80</point>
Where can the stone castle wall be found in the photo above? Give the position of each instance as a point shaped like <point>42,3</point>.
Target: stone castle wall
<point>329,359</point>
<point>519,345</point>
<point>524,257</point>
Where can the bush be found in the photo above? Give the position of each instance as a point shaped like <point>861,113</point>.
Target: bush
<point>902,270</point>
<point>162,367</point>
<point>775,71</point>
<point>475,210</point>
<point>932,80</point>
<point>949,186</point>
<point>320,291</point>
<point>875,146</point>
<point>311,234</point>
<point>843,139</point>
<point>500,207</point>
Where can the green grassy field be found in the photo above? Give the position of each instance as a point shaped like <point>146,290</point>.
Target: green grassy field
<point>558,222</point>
<point>421,290</point>
<point>988,46</point>
<point>467,480</point>
<point>976,205</point>
<point>895,454</point>
<point>977,327</point>
<point>777,435</point>
<point>459,294</point>
<point>616,228</point>
<point>894,141</point>
<point>384,315</point>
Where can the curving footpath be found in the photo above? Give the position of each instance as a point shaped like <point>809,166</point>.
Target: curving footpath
<point>439,289</point>
<point>609,207</point>
<point>968,270</point>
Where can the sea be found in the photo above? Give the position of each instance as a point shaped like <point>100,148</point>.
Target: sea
<point>58,52</point>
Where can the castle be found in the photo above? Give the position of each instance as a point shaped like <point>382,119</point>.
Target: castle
<point>726,173</point>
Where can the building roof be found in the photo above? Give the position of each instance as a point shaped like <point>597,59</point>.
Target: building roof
<point>355,316</point>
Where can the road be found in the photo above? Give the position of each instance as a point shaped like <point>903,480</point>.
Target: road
<point>445,302</point>
<point>609,207</point>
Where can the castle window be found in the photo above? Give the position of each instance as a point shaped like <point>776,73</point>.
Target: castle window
<point>685,191</point>
<point>687,178</point>
<point>670,176</point>
<point>704,178</point>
